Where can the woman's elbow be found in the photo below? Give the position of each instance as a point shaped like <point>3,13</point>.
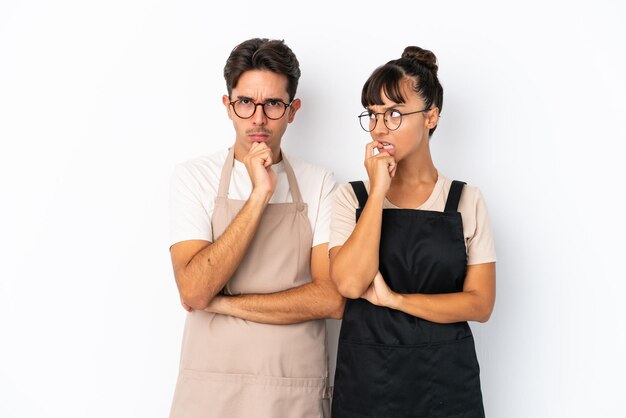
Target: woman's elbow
<point>346,285</point>
<point>484,318</point>
<point>484,313</point>
<point>348,290</point>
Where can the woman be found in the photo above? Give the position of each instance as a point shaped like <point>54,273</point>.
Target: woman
<point>413,252</point>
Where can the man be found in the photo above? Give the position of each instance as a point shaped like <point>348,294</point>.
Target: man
<point>250,256</point>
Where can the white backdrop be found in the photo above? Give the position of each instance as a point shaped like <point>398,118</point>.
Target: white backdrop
<point>99,100</point>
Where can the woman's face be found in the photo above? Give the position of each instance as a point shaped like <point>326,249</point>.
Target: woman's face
<point>412,135</point>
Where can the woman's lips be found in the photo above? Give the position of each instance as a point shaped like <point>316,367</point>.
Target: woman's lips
<point>386,147</point>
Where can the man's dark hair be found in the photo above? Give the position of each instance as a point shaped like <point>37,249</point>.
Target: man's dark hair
<point>262,54</point>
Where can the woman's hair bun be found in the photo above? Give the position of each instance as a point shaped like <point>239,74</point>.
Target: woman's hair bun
<point>423,56</point>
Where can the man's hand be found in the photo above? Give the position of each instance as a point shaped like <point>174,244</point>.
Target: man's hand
<point>218,305</point>
<point>258,163</point>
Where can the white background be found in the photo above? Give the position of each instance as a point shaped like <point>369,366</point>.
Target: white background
<point>99,100</point>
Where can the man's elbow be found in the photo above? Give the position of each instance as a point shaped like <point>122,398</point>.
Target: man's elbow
<point>195,301</point>
<point>195,298</point>
<point>192,293</point>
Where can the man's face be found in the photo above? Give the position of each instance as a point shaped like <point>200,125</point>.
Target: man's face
<point>260,86</point>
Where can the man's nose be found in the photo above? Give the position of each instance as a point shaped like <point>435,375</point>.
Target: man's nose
<point>259,117</point>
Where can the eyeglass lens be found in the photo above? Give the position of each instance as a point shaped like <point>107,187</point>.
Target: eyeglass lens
<point>273,109</point>
<point>391,118</point>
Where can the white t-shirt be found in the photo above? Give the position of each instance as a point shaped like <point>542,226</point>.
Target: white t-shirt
<point>476,228</point>
<point>194,187</point>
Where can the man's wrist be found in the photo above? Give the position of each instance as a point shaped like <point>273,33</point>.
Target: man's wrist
<point>219,305</point>
<point>260,197</point>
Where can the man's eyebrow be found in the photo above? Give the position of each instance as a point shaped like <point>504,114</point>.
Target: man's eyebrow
<point>269,99</point>
<point>276,99</point>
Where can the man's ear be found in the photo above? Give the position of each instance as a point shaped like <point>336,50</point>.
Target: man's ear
<point>226,103</point>
<point>295,105</point>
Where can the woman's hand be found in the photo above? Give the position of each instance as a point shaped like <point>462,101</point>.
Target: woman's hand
<point>380,169</point>
<point>378,293</point>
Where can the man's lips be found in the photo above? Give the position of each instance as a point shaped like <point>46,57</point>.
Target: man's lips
<point>258,136</point>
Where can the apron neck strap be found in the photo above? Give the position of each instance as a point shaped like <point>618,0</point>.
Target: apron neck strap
<point>293,183</point>
<point>227,170</point>
<point>454,196</point>
<point>360,192</point>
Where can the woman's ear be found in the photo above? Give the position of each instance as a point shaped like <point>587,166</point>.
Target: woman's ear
<point>432,118</point>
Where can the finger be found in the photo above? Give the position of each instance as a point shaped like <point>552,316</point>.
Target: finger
<point>386,157</point>
<point>254,147</point>
<point>261,152</point>
<point>269,158</point>
<point>258,147</point>
<point>369,149</point>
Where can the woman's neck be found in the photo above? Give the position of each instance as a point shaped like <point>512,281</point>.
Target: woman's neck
<point>415,170</point>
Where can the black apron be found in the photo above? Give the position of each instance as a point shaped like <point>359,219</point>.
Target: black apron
<point>394,365</point>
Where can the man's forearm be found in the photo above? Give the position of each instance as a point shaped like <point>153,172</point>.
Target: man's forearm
<point>209,270</point>
<point>303,303</point>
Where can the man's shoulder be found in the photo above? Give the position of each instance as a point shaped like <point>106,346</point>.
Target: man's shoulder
<point>205,161</point>
<point>200,170</point>
<point>203,164</point>
<point>302,167</point>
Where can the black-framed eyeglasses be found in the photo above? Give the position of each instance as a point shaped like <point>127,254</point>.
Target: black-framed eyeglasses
<point>392,118</point>
<point>245,108</point>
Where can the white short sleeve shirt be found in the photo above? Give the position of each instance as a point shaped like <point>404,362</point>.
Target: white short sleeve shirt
<point>194,187</point>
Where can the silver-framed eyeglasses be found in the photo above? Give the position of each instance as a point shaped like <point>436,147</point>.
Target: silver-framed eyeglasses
<point>392,118</point>
<point>245,107</point>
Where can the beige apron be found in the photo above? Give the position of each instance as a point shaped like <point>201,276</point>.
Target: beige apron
<point>231,367</point>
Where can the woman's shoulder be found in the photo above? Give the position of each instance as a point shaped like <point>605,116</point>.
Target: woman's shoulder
<point>344,193</point>
<point>470,191</point>
<point>349,188</point>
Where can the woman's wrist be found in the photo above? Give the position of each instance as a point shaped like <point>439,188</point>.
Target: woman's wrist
<point>377,193</point>
<point>395,301</point>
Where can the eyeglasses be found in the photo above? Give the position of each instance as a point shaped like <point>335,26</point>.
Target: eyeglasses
<point>273,109</point>
<point>392,119</point>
